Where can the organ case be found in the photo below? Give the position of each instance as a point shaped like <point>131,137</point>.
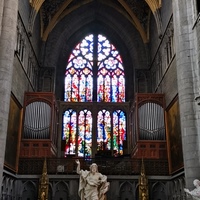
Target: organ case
<point>39,132</point>
<point>148,137</point>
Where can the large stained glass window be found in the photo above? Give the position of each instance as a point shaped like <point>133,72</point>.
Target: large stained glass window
<point>94,73</point>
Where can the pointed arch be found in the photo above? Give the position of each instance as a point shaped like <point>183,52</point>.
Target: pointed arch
<point>36,5</point>
<point>135,21</point>
<point>158,190</point>
<point>29,190</point>
<point>62,12</point>
<point>126,190</point>
<point>155,6</point>
<point>66,185</point>
<point>62,190</point>
<point>94,75</point>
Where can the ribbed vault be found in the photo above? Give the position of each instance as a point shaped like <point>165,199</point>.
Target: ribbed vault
<point>95,17</point>
<point>137,12</point>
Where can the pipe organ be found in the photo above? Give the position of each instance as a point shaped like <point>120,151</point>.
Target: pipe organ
<point>39,132</point>
<point>151,121</point>
<point>148,136</point>
<point>37,121</point>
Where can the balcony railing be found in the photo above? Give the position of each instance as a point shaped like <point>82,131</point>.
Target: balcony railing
<point>107,166</point>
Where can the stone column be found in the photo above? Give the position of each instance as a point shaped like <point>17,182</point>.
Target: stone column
<point>7,46</point>
<point>1,13</point>
<point>183,13</point>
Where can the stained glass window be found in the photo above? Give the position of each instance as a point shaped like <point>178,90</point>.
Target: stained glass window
<point>94,73</point>
<point>79,72</point>
<point>110,81</point>
<point>85,133</point>
<point>119,131</point>
<point>104,130</point>
<point>78,75</point>
<point>69,131</point>
<point>104,140</point>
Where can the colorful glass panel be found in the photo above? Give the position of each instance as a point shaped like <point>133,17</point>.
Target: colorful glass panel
<point>104,48</point>
<point>119,131</point>
<point>78,75</point>
<point>107,73</point>
<point>104,130</point>
<point>69,131</point>
<point>85,134</point>
<point>110,80</point>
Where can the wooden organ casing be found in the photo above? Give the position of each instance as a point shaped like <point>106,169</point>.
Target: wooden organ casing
<point>148,135</point>
<point>39,128</point>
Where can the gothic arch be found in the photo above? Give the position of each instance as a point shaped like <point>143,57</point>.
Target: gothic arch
<point>126,191</point>
<point>158,191</point>
<point>29,190</point>
<point>61,191</point>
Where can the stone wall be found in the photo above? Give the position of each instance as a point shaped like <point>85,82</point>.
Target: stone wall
<point>64,187</point>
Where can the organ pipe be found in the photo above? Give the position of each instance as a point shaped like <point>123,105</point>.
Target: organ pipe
<point>151,122</point>
<point>37,121</point>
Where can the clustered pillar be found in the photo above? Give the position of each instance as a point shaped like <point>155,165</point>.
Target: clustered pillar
<point>183,14</point>
<point>8,23</point>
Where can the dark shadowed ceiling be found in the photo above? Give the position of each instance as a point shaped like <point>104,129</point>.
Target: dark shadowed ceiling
<point>137,12</point>
<point>126,23</point>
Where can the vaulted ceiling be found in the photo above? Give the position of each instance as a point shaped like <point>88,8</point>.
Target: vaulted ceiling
<point>126,23</point>
<point>137,12</point>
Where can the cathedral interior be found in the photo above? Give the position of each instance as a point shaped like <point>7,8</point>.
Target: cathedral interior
<point>111,82</point>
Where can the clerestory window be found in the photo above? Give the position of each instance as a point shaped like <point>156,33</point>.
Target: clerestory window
<point>94,83</point>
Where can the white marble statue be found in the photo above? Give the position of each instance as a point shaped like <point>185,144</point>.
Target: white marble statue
<point>92,184</point>
<point>196,192</point>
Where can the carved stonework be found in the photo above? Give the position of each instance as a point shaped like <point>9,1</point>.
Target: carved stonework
<point>143,80</point>
<point>141,10</point>
<point>49,8</point>
<point>46,80</point>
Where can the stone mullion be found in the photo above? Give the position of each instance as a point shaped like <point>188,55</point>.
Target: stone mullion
<point>7,47</point>
<point>184,47</point>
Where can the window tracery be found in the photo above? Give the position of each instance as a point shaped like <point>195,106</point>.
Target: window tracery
<point>94,65</point>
